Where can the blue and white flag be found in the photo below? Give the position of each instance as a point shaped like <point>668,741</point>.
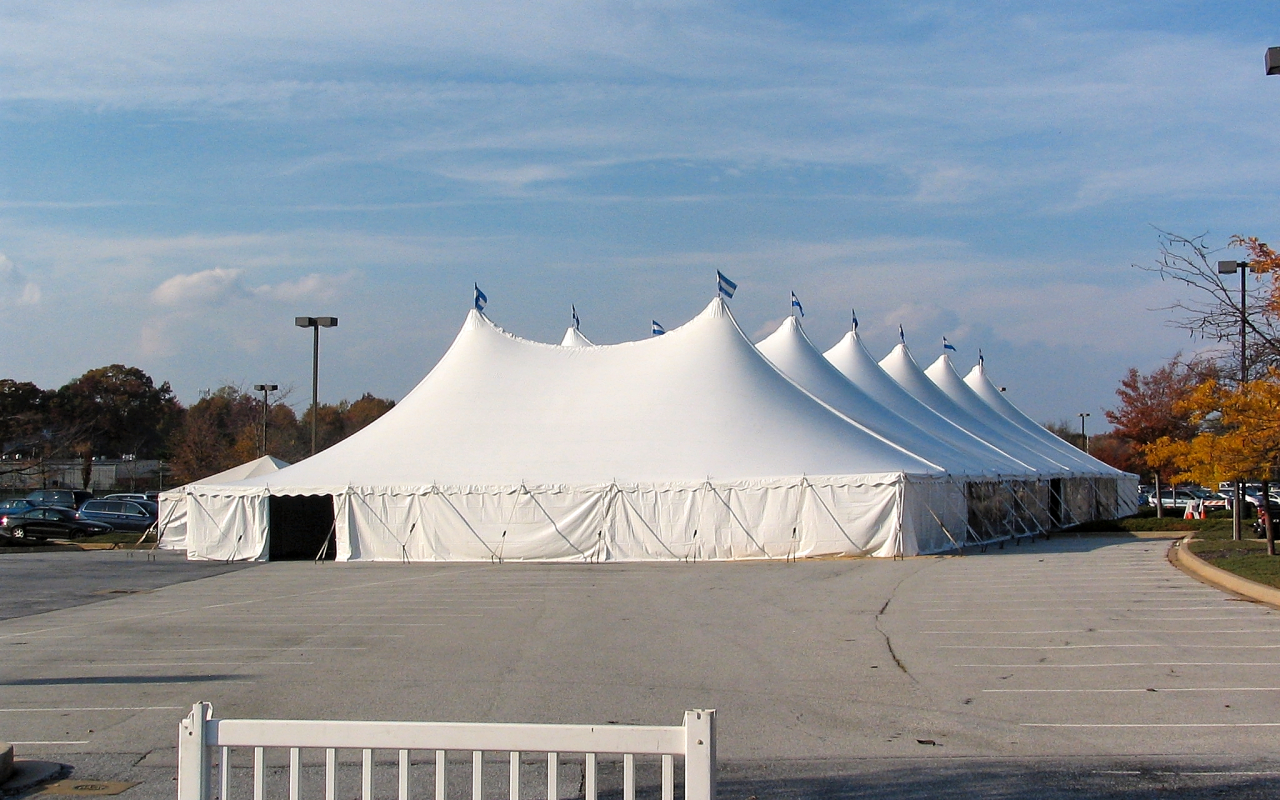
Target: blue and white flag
<point>979,356</point>
<point>854,312</point>
<point>481,300</point>
<point>902,335</point>
<point>658,330</point>
<point>726,287</point>
<point>795,303</point>
<point>576,323</point>
<point>947,345</point>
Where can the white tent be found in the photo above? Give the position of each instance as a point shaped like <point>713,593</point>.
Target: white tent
<point>1125,484</point>
<point>687,445</point>
<point>172,518</point>
<point>574,338</point>
<point>851,358</point>
<point>903,368</point>
<point>791,351</point>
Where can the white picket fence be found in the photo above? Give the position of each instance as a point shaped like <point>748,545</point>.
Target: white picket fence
<point>203,739</point>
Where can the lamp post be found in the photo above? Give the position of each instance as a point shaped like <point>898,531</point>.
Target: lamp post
<point>1083,436</point>
<point>315,323</point>
<point>1231,268</point>
<point>264,388</point>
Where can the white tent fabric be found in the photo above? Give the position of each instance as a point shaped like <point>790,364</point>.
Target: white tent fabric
<point>791,351</point>
<point>903,369</point>
<point>574,338</point>
<point>687,444</point>
<point>984,389</point>
<point>171,519</point>
<point>851,358</point>
<point>978,382</point>
<point>943,374</point>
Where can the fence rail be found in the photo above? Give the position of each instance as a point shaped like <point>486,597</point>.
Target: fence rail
<point>201,738</point>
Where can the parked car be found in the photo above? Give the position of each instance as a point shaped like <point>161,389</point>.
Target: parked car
<point>15,506</point>
<point>63,498</point>
<point>50,522</point>
<point>1177,498</point>
<point>123,515</point>
<point>148,496</point>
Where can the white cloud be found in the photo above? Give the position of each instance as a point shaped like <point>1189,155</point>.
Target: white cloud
<point>23,290</point>
<point>209,287</point>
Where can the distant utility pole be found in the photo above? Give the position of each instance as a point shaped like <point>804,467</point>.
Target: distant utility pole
<point>264,388</point>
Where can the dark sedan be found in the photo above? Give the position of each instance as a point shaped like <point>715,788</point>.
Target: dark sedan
<point>123,515</point>
<point>50,522</point>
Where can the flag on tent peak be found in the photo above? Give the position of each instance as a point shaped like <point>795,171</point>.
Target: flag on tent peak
<point>724,286</point>
<point>576,322</point>
<point>480,300</point>
<point>658,330</point>
<point>795,303</point>
<point>902,335</point>
<point>979,356</point>
<point>854,313</point>
<point>947,345</point>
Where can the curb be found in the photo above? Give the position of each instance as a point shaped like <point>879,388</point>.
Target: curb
<point>1219,578</point>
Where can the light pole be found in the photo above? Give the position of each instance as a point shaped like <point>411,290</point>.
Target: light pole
<point>315,323</point>
<point>1231,268</point>
<point>264,388</point>
<point>1083,436</point>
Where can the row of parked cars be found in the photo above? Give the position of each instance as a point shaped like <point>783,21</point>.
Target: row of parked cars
<point>71,514</point>
<point>1178,499</point>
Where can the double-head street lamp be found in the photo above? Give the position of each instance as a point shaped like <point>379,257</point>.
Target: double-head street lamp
<point>1083,436</point>
<point>264,388</point>
<point>1231,268</point>
<point>315,323</point>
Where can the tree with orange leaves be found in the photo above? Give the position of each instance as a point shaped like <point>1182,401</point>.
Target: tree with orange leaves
<point>1238,434</point>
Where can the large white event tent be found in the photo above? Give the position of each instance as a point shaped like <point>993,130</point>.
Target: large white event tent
<point>171,520</point>
<point>690,445</point>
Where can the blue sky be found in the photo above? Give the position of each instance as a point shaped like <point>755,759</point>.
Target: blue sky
<point>179,179</point>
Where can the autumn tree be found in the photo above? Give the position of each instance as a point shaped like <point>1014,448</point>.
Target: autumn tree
<point>1151,410</point>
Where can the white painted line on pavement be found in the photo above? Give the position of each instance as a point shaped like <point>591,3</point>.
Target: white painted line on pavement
<point>1149,690</point>
<point>1098,646</point>
<point>1131,664</point>
<point>86,741</point>
<point>96,708</point>
<point>1099,630</point>
<point>1150,724</point>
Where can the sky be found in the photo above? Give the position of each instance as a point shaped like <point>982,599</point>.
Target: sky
<point>180,179</point>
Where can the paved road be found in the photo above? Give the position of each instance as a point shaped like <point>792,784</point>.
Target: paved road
<point>1072,668</point>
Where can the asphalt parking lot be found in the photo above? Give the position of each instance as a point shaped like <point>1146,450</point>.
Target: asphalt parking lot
<point>1079,667</point>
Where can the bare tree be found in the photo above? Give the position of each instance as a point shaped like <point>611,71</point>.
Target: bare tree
<point>1214,307</point>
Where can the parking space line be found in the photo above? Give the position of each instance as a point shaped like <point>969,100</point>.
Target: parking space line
<point>1150,724</point>
<point>1144,690</point>
<point>93,708</point>
<point>85,741</point>
<point>1099,630</point>
<point>1130,664</point>
<point>1100,646</point>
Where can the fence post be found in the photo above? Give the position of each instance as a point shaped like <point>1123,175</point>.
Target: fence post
<point>193,754</point>
<point>699,754</point>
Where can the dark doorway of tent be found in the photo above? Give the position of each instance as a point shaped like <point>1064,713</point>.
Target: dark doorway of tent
<point>301,528</point>
<point>1055,503</point>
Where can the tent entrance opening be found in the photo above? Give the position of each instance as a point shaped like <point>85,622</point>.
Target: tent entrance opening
<point>1055,502</point>
<point>300,526</point>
